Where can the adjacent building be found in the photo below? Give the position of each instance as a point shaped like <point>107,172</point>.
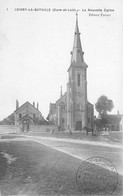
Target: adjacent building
<point>26,115</point>
<point>114,122</point>
<point>72,110</point>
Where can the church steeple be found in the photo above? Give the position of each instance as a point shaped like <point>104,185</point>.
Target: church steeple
<point>77,53</point>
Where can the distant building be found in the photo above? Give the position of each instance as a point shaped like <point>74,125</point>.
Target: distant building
<point>114,122</point>
<point>72,110</point>
<point>52,112</point>
<point>121,123</point>
<point>27,114</point>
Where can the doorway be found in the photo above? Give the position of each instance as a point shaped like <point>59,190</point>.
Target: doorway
<point>78,125</point>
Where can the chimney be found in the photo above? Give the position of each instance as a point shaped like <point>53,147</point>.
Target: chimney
<point>37,105</point>
<point>17,104</point>
<point>33,103</point>
<point>61,92</point>
<point>118,112</point>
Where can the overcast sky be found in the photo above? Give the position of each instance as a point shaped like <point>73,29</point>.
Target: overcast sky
<point>35,51</point>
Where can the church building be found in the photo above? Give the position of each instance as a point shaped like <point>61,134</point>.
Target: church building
<point>72,110</point>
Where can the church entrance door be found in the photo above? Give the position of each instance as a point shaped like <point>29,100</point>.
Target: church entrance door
<point>78,125</point>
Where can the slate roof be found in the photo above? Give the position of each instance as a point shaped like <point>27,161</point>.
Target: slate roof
<point>25,104</point>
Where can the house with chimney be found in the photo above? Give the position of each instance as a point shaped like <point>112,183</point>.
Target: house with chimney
<point>26,115</point>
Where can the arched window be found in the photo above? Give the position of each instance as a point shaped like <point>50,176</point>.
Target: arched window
<point>78,79</point>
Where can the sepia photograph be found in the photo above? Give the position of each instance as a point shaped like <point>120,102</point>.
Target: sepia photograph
<point>61,110</point>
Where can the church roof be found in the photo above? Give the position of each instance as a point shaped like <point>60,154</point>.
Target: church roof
<point>62,99</point>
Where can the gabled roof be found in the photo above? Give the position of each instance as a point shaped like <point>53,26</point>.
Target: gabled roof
<point>61,98</point>
<point>113,118</point>
<point>25,104</point>
<point>90,103</point>
<point>52,105</point>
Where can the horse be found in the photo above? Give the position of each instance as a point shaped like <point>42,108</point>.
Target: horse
<point>89,130</point>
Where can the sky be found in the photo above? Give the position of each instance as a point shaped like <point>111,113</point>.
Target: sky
<point>35,50</point>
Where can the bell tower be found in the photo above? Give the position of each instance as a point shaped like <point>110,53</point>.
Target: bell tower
<point>77,86</point>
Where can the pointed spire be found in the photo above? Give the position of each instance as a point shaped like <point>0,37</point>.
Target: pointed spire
<point>76,16</point>
<point>77,53</point>
<point>61,92</point>
<point>76,29</point>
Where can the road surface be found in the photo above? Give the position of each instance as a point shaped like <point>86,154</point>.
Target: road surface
<point>38,165</point>
<point>85,150</point>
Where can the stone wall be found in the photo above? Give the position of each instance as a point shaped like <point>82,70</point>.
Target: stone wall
<point>33,128</point>
<point>41,128</point>
<point>9,129</point>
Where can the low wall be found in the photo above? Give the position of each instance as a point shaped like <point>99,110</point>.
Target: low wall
<point>9,129</point>
<point>33,128</point>
<point>41,128</point>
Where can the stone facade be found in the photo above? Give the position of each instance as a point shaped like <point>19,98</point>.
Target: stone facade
<point>73,111</point>
<point>26,115</point>
<point>114,122</point>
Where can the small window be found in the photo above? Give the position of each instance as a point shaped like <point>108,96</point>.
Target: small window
<point>33,115</point>
<point>78,79</point>
<point>20,115</point>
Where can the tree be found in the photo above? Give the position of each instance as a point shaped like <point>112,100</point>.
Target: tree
<point>104,105</point>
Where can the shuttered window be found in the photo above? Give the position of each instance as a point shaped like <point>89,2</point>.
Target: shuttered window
<point>78,79</point>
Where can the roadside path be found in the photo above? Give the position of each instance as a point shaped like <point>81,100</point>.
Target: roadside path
<point>84,149</point>
<point>96,143</point>
<point>79,149</point>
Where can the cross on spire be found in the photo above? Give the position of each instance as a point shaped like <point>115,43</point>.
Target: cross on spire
<point>77,16</point>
